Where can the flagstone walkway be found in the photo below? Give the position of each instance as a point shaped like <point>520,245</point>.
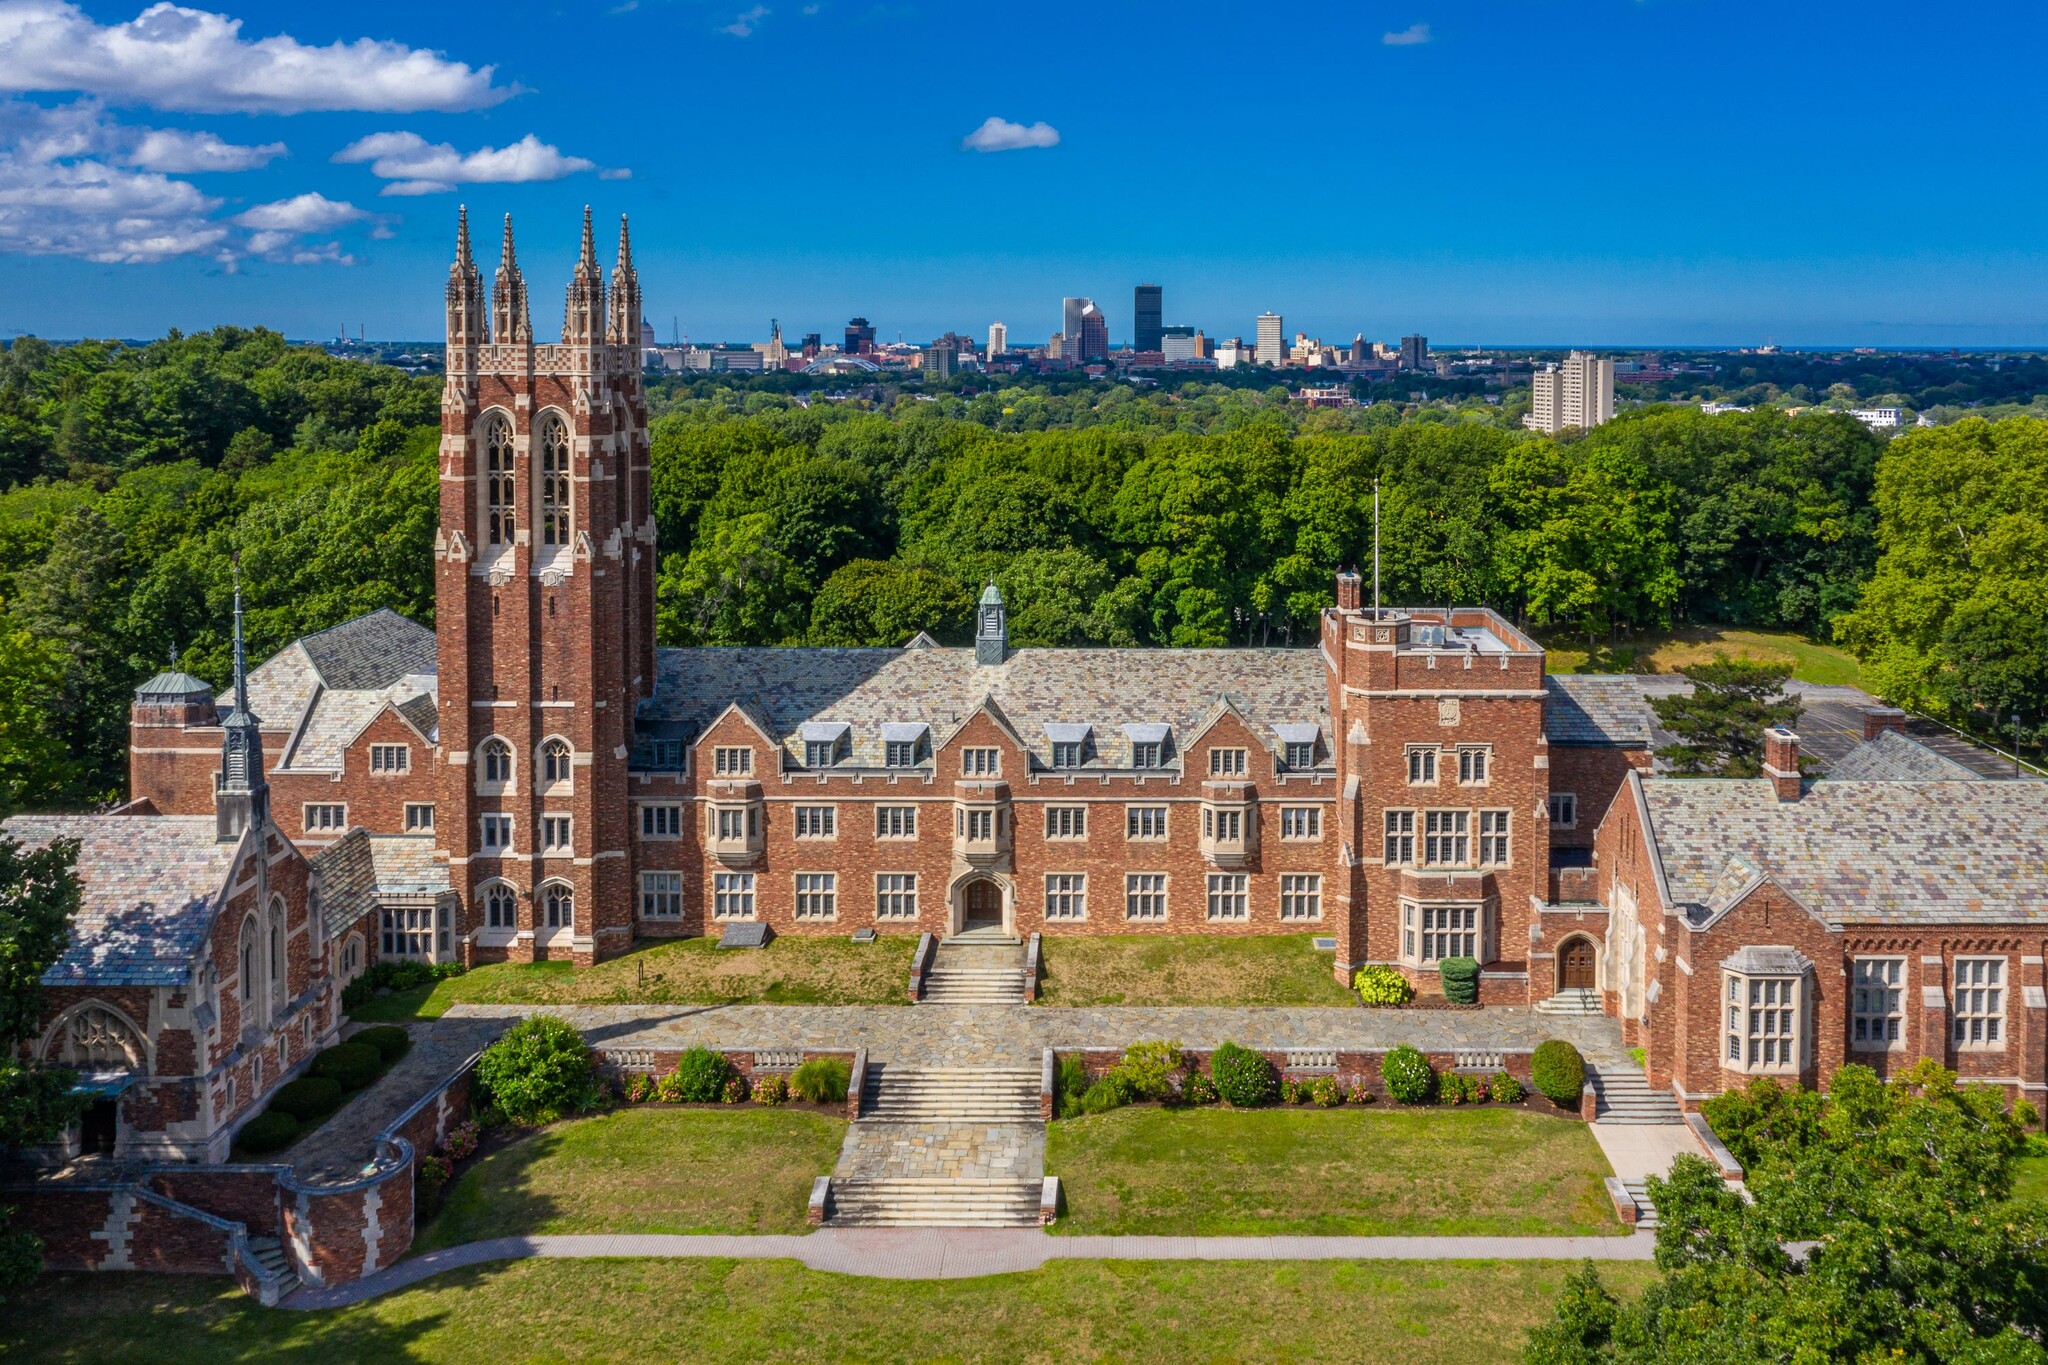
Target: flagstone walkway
<point>963,1253</point>
<point>1017,1035</point>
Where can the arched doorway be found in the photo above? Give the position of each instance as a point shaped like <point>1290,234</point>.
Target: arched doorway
<point>1578,965</point>
<point>980,903</point>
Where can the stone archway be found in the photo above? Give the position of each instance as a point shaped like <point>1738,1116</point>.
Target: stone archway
<point>980,901</point>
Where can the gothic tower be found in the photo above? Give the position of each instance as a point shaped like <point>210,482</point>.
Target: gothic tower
<point>243,798</point>
<point>544,581</point>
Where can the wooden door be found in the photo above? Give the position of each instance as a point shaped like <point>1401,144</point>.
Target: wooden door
<point>1577,972</point>
<point>984,904</point>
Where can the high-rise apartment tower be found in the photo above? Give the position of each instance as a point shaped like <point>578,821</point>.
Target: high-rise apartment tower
<point>1147,315</point>
<point>1578,393</point>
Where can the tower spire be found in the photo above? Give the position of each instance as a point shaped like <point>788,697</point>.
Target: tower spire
<point>625,319</point>
<point>586,261</point>
<point>583,315</point>
<point>243,797</point>
<point>468,325</point>
<point>510,320</point>
<point>463,261</point>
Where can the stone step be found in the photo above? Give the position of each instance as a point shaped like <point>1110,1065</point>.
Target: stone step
<point>1623,1094</point>
<point>1646,1215</point>
<point>1582,1003</point>
<point>934,1203</point>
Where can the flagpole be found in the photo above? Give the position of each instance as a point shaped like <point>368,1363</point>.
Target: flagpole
<point>1375,549</point>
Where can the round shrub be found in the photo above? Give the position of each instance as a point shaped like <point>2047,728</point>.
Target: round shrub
<point>1505,1088</point>
<point>771,1089</point>
<point>1244,1078</point>
<point>735,1091</point>
<point>1460,976</point>
<point>1559,1072</point>
<point>1150,1070</point>
<point>700,1077</point>
<point>539,1071</point>
<point>354,1065</point>
<point>1382,986</point>
<point>1360,1094</point>
<point>1453,1087</point>
<point>308,1098</point>
<point>822,1080</point>
<point>1406,1074</point>
<point>390,1040</point>
<point>1198,1089</point>
<point>1326,1092</point>
<point>270,1131</point>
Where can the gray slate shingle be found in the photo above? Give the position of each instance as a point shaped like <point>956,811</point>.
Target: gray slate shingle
<point>1586,708</point>
<point>1893,757</point>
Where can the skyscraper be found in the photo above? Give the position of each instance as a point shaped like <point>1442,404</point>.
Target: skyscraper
<point>1272,348</point>
<point>860,336</point>
<point>1094,334</point>
<point>1070,316</point>
<point>1414,353</point>
<point>1147,314</point>
<point>998,339</point>
<point>1579,393</point>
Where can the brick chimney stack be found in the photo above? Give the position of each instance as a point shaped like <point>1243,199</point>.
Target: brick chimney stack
<point>1879,719</point>
<point>1347,590</point>
<point>1781,761</point>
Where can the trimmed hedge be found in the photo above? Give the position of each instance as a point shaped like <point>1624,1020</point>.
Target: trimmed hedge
<point>270,1131</point>
<point>1407,1075</point>
<point>390,1040</point>
<point>699,1078</point>
<point>1461,980</point>
<point>1505,1088</point>
<point>822,1080</point>
<point>1244,1078</point>
<point>1559,1072</point>
<point>308,1098</point>
<point>395,975</point>
<point>352,1064</point>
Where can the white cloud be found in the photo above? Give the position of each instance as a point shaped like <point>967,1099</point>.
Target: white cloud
<point>307,212</point>
<point>1000,135</point>
<point>175,150</point>
<point>1412,36</point>
<point>416,166</point>
<point>744,25</point>
<point>616,173</point>
<point>101,212</point>
<point>173,57</point>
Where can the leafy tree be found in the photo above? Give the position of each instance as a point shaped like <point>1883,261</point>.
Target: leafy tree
<point>1720,724</point>
<point>736,587</point>
<point>886,602</point>
<point>36,768</point>
<point>38,899</point>
<point>1917,1254</point>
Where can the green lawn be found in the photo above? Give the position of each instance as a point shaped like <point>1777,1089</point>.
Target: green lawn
<point>2030,1180</point>
<point>713,1311</point>
<point>1188,969</point>
<point>691,971</point>
<point>645,1169</point>
<point>1484,1171</point>
<point>1669,651</point>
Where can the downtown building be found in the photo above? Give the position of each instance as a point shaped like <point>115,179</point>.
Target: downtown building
<point>1577,393</point>
<point>536,780</point>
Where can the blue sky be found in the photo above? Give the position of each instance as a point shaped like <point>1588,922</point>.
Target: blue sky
<point>1497,171</point>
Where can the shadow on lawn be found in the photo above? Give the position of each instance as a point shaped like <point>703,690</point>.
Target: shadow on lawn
<point>493,1196</point>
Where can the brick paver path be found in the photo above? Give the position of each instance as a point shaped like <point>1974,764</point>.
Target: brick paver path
<point>984,1035</point>
<point>962,1253</point>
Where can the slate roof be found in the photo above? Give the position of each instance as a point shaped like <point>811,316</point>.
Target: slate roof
<point>1893,757</point>
<point>941,687</point>
<point>406,866</point>
<point>1586,708</point>
<point>149,885</point>
<point>344,676</point>
<point>348,880</point>
<point>1858,852</point>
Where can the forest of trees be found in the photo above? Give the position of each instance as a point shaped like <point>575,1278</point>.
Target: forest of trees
<point>1205,516</point>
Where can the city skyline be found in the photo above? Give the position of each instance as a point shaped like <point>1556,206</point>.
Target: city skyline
<point>266,165</point>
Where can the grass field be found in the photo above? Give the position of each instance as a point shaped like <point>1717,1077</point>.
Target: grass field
<point>1361,1172</point>
<point>1667,652</point>
<point>691,971</point>
<point>1144,969</point>
<point>645,1169</point>
<point>710,1312</point>
<point>2031,1181</point>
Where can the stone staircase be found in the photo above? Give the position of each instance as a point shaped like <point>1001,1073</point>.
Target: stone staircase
<point>955,1147</point>
<point>269,1253</point>
<point>1572,1004</point>
<point>1623,1095</point>
<point>949,1095</point>
<point>934,1203</point>
<point>1646,1212</point>
<point>969,971</point>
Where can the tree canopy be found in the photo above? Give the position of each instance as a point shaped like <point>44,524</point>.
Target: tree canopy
<point>1720,723</point>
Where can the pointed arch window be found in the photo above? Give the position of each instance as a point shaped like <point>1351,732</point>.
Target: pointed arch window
<point>500,486</point>
<point>495,762</point>
<point>501,907</point>
<point>556,762</point>
<point>248,969</point>
<point>554,485</point>
<point>277,943</point>
<point>560,904</point>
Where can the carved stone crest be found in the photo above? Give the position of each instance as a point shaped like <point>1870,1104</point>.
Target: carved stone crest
<point>1447,711</point>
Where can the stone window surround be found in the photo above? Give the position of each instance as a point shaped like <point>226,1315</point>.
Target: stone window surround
<point>896,896</point>
<point>1890,1017</point>
<point>1066,897</point>
<point>1415,937</point>
<point>390,760</point>
<point>815,822</point>
<point>1754,1007</point>
<point>1981,1002</point>
<point>661,895</point>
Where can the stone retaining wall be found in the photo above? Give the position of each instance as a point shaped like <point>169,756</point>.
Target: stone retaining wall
<point>1357,1068</point>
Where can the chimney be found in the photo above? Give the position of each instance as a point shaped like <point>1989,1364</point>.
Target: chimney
<point>1878,719</point>
<point>1781,761</point>
<point>1347,591</point>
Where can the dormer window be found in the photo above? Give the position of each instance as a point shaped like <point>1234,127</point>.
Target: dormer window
<point>1298,745</point>
<point>902,744</point>
<point>1148,744</point>
<point>1146,754</point>
<point>820,753</point>
<point>1069,745</point>
<point>1301,756</point>
<point>822,740</point>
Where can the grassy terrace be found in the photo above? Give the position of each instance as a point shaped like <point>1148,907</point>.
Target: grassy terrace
<point>1669,651</point>
<point>1189,969</point>
<point>650,1169</point>
<point>789,971</point>
<point>1362,1172</point>
<point>1138,1312</point>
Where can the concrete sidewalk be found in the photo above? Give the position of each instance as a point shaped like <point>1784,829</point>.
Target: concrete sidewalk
<point>1645,1149</point>
<point>963,1253</point>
